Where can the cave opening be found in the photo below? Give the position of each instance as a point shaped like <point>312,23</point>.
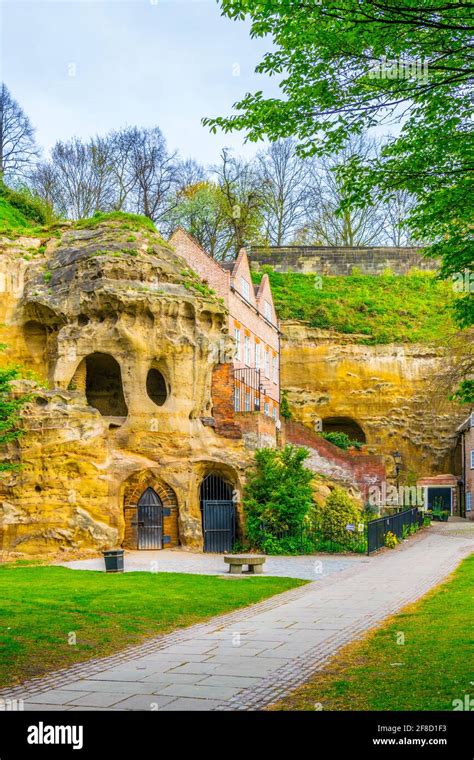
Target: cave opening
<point>104,390</point>
<point>156,387</point>
<point>344,425</point>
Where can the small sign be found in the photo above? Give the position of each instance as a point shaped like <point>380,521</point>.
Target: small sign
<point>350,527</point>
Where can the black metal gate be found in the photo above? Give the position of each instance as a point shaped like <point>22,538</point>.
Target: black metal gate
<point>218,515</point>
<point>150,520</point>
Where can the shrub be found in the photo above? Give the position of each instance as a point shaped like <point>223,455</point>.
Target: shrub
<point>338,512</point>
<point>341,440</point>
<point>390,540</point>
<point>285,410</point>
<point>10,411</point>
<point>277,496</point>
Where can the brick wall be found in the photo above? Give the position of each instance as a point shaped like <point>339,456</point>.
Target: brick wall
<point>469,473</point>
<point>250,323</point>
<point>243,315</point>
<point>136,486</point>
<point>365,470</point>
<point>223,402</point>
<point>206,267</point>
<point>340,260</point>
<point>258,430</point>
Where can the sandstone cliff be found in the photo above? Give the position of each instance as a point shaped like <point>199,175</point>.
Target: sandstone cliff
<point>124,339</point>
<point>385,389</point>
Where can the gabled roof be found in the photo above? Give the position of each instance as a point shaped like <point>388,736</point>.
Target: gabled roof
<point>467,424</point>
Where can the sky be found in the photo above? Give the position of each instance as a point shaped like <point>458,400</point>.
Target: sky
<point>84,67</point>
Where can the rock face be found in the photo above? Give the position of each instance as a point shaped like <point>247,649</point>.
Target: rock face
<point>386,390</point>
<point>125,340</point>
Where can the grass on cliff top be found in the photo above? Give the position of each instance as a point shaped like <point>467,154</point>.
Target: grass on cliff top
<point>40,607</point>
<point>11,217</point>
<point>432,667</point>
<point>23,213</point>
<point>129,221</point>
<point>413,308</point>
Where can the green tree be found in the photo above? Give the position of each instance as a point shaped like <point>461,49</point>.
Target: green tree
<point>242,198</point>
<point>278,492</point>
<point>345,67</point>
<point>199,210</point>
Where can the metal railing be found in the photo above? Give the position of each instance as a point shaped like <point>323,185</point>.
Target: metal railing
<point>378,529</point>
<point>247,390</point>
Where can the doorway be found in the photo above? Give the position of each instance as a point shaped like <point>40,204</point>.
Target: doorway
<point>218,514</point>
<point>149,521</point>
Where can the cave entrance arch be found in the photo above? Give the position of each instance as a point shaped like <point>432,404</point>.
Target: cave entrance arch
<point>150,511</point>
<point>344,425</point>
<point>149,521</point>
<point>100,377</point>
<point>218,514</point>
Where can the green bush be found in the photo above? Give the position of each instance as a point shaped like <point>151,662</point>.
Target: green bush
<point>10,411</point>
<point>285,411</point>
<point>277,498</point>
<point>391,540</point>
<point>341,440</point>
<point>338,512</point>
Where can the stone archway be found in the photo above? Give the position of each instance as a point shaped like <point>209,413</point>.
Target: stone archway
<point>133,489</point>
<point>344,425</point>
<point>231,490</point>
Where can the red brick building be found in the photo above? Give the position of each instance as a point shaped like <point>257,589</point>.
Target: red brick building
<point>252,323</point>
<point>466,431</point>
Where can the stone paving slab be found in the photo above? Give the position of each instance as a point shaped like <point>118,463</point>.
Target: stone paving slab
<point>248,658</point>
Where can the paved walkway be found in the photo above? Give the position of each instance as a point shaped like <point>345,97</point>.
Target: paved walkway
<point>247,659</point>
<point>308,568</point>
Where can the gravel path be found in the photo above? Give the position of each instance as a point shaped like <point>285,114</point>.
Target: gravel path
<point>308,568</point>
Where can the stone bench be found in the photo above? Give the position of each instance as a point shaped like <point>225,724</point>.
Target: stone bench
<point>254,562</point>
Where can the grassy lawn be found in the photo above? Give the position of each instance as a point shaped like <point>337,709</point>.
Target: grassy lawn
<point>41,606</point>
<point>433,667</point>
<point>412,308</point>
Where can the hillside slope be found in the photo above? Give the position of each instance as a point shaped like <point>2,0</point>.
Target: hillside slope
<point>413,308</point>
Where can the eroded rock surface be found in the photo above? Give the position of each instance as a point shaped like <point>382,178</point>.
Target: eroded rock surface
<point>124,339</point>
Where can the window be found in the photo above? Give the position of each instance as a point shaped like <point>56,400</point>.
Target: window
<point>267,364</point>
<point>257,355</point>
<point>237,399</point>
<point>247,402</point>
<point>245,288</point>
<point>267,311</point>
<point>472,459</point>
<point>247,350</point>
<point>468,501</point>
<point>274,413</point>
<point>275,369</point>
<point>237,342</point>
<point>266,408</point>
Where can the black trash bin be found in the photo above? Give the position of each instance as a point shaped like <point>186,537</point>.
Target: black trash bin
<point>113,560</point>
